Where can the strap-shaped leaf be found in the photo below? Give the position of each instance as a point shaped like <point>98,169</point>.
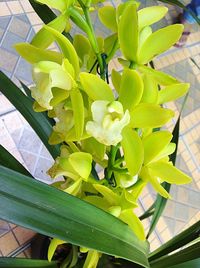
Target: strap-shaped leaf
<point>7,160</point>
<point>185,255</point>
<point>34,54</point>
<point>133,150</point>
<point>154,44</point>
<point>128,32</point>
<point>172,92</point>
<point>95,87</point>
<point>150,115</point>
<point>66,217</point>
<point>67,48</point>
<point>185,237</point>
<point>131,89</point>
<point>26,263</point>
<point>78,111</point>
<point>23,104</point>
<point>44,38</point>
<point>150,15</point>
<point>107,16</point>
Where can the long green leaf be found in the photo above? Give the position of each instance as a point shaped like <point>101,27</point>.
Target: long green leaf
<point>179,4</point>
<point>9,161</point>
<point>26,263</point>
<point>54,213</point>
<point>178,241</point>
<point>190,253</point>
<point>23,104</point>
<point>189,264</point>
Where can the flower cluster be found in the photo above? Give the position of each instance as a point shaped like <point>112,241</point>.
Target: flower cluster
<point>117,128</point>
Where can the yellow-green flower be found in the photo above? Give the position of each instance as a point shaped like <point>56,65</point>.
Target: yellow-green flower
<point>51,81</point>
<point>157,167</point>
<point>108,122</point>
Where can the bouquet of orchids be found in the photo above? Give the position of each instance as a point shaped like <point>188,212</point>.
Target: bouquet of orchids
<point>103,128</point>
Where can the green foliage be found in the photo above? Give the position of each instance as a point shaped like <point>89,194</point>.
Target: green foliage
<point>84,121</point>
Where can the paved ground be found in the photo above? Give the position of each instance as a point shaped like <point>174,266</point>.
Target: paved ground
<point>18,23</point>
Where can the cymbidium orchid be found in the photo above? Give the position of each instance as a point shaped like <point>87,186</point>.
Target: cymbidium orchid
<point>95,123</point>
<point>52,81</point>
<point>108,121</point>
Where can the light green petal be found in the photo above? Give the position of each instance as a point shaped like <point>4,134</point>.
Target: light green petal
<point>167,172</point>
<point>111,197</point>
<point>133,150</point>
<point>154,44</point>
<point>116,80</point>
<point>125,180</point>
<point>172,92</point>
<point>65,168</point>
<point>75,188</point>
<point>131,89</point>
<point>82,163</point>
<point>107,16</point>
<point>56,138</point>
<point>42,92</point>
<point>154,144</point>
<point>162,78</point>
<point>67,66</point>
<point>92,259</point>
<point>150,92</point>
<point>59,95</point>
<point>65,119</point>
<point>78,111</point>
<point>94,147</point>
<point>146,115</point>
<point>127,200</point>
<point>82,46</point>
<point>67,48</point>
<point>137,188</point>
<point>61,5</point>
<point>95,87</point>
<point>109,43</point>
<point>99,109</point>
<point>169,149</point>
<point>150,15</point>
<point>128,32</point>
<point>115,211</point>
<point>97,201</point>
<point>144,34</point>
<point>44,38</point>
<point>33,54</point>
<point>61,79</point>
<point>133,222</point>
<point>71,135</point>
<point>53,246</point>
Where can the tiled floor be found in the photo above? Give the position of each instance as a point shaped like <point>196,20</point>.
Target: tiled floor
<point>17,24</point>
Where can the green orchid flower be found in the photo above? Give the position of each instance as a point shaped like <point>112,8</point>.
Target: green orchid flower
<point>157,167</point>
<point>120,205</point>
<point>108,122</point>
<point>52,80</point>
<point>75,166</point>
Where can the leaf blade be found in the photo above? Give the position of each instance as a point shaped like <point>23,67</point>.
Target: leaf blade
<point>68,222</point>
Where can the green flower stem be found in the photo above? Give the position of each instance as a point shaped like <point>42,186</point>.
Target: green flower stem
<point>113,50</point>
<point>111,161</point>
<point>92,37</point>
<point>120,170</point>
